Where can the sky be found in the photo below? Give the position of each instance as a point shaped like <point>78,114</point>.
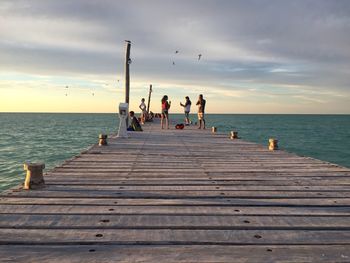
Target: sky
<point>258,56</point>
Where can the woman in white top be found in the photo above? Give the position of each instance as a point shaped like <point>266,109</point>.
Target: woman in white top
<point>187,108</point>
<point>143,109</point>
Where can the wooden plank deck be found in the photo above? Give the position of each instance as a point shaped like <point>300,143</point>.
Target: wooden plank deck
<point>181,196</point>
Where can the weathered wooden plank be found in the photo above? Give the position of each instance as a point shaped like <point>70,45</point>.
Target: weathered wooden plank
<point>194,169</point>
<point>144,159</point>
<point>266,175</point>
<point>151,188</point>
<point>148,161</point>
<point>288,222</point>
<point>176,194</point>
<point>173,210</point>
<point>151,253</point>
<point>187,201</point>
<point>173,236</point>
<point>189,165</point>
<point>112,181</point>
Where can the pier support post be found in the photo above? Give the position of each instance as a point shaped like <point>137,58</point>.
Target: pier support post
<point>149,98</point>
<point>34,177</point>
<point>233,135</point>
<point>273,144</point>
<point>214,129</point>
<point>102,140</point>
<point>127,74</point>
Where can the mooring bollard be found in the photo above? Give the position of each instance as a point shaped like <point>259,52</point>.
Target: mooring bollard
<point>102,140</point>
<point>34,177</point>
<point>233,135</point>
<point>214,129</point>
<point>273,144</point>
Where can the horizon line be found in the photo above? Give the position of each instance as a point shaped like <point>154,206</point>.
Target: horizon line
<point>213,113</point>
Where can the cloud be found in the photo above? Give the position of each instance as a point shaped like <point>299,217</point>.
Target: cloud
<point>245,45</point>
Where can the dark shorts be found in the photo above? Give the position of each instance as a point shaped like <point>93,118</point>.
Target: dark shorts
<point>165,113</point>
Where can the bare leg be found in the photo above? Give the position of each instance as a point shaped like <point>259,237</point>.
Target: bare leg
<point>167,122</point>
<point>161,122</point>
<point>200,124</point>
<point>203,124</point>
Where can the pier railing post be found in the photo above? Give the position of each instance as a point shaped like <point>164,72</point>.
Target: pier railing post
<point>273,144</point>
<point>34,176</point>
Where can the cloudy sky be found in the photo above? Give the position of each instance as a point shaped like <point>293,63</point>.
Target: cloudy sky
<point>258,56</point>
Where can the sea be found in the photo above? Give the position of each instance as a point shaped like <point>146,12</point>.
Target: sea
<point>55,137</point>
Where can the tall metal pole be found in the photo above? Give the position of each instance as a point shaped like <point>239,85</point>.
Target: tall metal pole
<point>127,74</point>
<point>149,98</point>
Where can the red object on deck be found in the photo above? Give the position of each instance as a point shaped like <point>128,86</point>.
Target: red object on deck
<point>179,126</point>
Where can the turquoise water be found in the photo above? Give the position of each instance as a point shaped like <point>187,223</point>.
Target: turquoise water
<point>53,138</point>
<point>324,137</point>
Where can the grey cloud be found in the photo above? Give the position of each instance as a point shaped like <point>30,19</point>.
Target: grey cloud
<point>55,62</point>
<point>239,40</point>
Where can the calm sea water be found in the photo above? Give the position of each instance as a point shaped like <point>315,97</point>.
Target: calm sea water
<point>53,138</point>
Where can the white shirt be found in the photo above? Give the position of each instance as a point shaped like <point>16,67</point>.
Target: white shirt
<point>188,108</point>
<point>143,106</point>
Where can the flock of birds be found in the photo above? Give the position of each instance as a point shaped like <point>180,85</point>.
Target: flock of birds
<point>177,52</point>
<point>93,93</point>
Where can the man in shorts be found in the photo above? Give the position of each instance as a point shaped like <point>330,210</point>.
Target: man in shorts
<point>201,107</point>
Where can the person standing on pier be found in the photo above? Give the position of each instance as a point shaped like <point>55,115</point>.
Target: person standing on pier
<point>165,111</point>
<point>201,107</point>
<point>143,111</point>
<point>187,107</point>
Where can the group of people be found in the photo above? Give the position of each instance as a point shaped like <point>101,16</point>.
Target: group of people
<point>187,108</point>
<point>166,104</point>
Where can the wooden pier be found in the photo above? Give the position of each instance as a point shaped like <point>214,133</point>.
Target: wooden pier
<point>181,196</point>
